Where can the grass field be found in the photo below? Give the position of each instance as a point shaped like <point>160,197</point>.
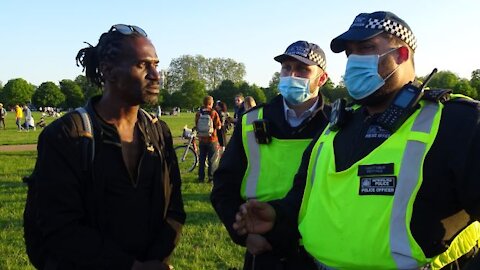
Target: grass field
<point>11,136</point>
<point>204,244</point>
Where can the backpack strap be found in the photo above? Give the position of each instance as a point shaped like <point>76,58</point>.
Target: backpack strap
<point>155,136</point>
<point>85,131</point>
<point>154,131</point>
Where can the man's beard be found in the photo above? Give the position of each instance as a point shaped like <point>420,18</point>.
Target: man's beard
<point>384,93</point>
<point>150,99</point>
<point>375,99</point>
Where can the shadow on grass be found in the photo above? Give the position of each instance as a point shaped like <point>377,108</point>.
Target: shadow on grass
<point>12,187</point>
<point>196,197</point>
<point>19,172</point>
<point>28,154</point>
<point>11,223</point>
<point>201,218</point>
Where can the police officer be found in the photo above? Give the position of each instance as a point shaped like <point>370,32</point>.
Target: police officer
<point>396,186</point>
<point>266,148</point>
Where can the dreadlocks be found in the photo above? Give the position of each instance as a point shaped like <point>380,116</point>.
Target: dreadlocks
<point>108,49</point>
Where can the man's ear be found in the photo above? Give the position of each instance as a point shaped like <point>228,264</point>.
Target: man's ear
<point>403,54</point>
<point>108,72</point>
<point>322,79</point>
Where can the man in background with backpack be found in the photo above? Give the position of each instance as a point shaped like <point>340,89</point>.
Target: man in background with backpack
<point>207,122</point>
<point>105,192</point>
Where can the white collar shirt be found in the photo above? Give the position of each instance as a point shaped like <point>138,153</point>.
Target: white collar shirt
<point>292,118</point>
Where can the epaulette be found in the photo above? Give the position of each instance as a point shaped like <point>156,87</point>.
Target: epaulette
<point>437,95</point>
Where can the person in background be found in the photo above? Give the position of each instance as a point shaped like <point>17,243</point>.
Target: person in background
<point>249,103</point>
<point>159,111</point>
<point>18,117</point>
<point>239,108</point>
<point>395,185</point>
<point>265,151</point>
<point>3,114</point>
<point>207,123</point>
<point>221,109</point>
<point>29,122</point>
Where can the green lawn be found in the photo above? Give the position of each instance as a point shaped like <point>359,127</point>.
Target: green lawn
<point>204,244</point>
<point>11,136</point>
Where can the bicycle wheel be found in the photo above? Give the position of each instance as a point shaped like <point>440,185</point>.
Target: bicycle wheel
<point>187,159</point>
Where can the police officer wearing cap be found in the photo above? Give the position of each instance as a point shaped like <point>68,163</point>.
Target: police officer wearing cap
<point>395,185</point>
<point>265,151</point>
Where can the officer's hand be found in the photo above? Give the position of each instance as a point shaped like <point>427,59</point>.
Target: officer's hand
<point>254,217</point>
<point>257,244</point>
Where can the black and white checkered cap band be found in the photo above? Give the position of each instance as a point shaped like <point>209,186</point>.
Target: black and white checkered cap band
<point>395,29</point>
<point>317,58</point>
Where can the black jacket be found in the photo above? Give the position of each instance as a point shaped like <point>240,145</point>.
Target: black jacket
<point>75,209</point>
<point>225,195</point>
<point>449,197</point>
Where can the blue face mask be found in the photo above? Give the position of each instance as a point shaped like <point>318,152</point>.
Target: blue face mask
<point>295,90</point>
<point>361,76</point>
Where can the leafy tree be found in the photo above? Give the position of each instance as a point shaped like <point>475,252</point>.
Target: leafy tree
<point>177,99</point>
<point>254,91</point>
<point>48,94</point>
<point>463,87</point>
<point>327,90</point>
<point>89,89</point>
<point>272,90</point>
<point>73,94</point>
<point>1,92</point>
<point>166,99</point>
<point>193,93</point>
<point>269,93</point>
<point>475,81</point>
<point>17,91</point>
<point>210,71</point>
<point>444,80</point>
<point>225,92</point>
<point>220,69</point>
<point>185,68</point>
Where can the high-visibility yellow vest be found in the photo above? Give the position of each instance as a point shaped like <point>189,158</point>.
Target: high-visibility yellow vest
<point>271,167</point>
<point>344,230</point>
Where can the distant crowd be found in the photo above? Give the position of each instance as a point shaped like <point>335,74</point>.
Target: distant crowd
<point>24,119</point>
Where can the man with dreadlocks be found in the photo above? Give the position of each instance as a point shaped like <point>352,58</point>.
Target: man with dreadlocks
<point>126,210</point>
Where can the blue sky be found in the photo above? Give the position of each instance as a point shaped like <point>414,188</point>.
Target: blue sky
<point>41,38</point>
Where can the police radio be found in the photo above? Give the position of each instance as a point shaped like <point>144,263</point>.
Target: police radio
<point>403,105</point>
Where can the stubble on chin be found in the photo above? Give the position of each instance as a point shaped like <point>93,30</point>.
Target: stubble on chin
<point>150,99</point>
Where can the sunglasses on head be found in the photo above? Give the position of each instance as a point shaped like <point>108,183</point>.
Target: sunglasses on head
<point>127,29</point>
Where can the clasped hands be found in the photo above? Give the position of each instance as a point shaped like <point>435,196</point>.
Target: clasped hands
<point>255,218</point>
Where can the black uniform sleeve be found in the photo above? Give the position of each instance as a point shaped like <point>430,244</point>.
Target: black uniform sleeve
<point>60,202</point>
<point>227,181</point>
<point>469,185</point>
<point>164,244</point>
<point>285,233</point>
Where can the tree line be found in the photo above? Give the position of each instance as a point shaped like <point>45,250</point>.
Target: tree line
<point>190,78</point>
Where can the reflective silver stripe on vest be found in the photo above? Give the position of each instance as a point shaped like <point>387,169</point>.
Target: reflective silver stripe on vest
<point>253,156</point>
<point>406,184</point>
<point>314,170</point>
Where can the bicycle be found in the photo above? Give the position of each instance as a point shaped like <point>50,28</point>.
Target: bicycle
<point>187,155</point>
